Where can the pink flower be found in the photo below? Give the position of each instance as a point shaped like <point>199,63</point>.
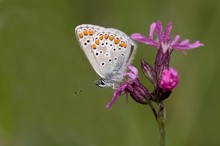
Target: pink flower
<point>133,87</point>
<point>163,39</point>
<point>163,77</point>
<point>169,79</point>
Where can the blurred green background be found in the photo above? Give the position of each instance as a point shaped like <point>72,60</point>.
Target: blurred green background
<point>41,65</point>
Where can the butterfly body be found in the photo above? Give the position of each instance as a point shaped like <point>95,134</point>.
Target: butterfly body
<point>108,50</point>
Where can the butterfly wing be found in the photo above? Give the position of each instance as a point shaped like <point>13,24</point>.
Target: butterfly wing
<point>108,50</point>
<point>85,35</point>
<point>122,53</point>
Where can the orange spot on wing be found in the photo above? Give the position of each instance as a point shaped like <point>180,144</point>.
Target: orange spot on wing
<point>106,36</point>
<point>93,46</point>
<point>80,35</point>
<point>111,37</point>
<point>91,32</point>
<point>116,41</point>
<point>123,44</point>
<point>85,32</point>
<point>101,37</point>
<point>97,42</point>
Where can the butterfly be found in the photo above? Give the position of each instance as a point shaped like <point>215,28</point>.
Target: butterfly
<point>108,50</point>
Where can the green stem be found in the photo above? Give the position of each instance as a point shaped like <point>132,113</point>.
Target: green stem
<point>161,118</point>
<point>153,109</point>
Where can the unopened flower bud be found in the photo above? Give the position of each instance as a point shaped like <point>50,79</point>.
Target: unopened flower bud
<point>169,79</point>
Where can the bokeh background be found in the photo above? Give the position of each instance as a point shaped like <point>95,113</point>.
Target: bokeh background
<point>41,65</point>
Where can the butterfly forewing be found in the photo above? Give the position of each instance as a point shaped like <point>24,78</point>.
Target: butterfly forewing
<point>85,35</point>
<point>108,50</point>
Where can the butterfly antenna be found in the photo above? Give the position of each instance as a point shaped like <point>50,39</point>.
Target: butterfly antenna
<point>80,90</point>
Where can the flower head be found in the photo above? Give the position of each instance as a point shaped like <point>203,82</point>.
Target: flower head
<point>163,77</point>
<point>161,74</point>
<point>163,39</point>
<point>169,79</point>
<point>133,87</point>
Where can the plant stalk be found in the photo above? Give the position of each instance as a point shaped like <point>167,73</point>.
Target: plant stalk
<point>161,118</point>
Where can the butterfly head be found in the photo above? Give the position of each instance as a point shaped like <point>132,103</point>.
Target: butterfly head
<point>102,83</point>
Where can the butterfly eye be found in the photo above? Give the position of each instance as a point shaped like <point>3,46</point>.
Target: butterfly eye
<point>102,82</point>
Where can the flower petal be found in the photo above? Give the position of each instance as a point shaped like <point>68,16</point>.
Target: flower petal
<point>159,30</point>
<point>187,46</point>
<point>184,42</point>
<point>141,38</point>
<point>117,93</point>
<point>152,29</point>
<point>175,40</point>
<point>168,30</point>
<point>134,71</point>
<point>133,74</point>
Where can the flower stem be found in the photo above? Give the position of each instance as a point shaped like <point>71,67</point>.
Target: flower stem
<point>161,118</point>
<point>153,109</point>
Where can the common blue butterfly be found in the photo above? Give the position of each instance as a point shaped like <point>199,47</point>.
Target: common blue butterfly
<point>108,50</point>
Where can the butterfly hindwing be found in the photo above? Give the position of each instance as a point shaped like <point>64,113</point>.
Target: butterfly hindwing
<point>108,50</point>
